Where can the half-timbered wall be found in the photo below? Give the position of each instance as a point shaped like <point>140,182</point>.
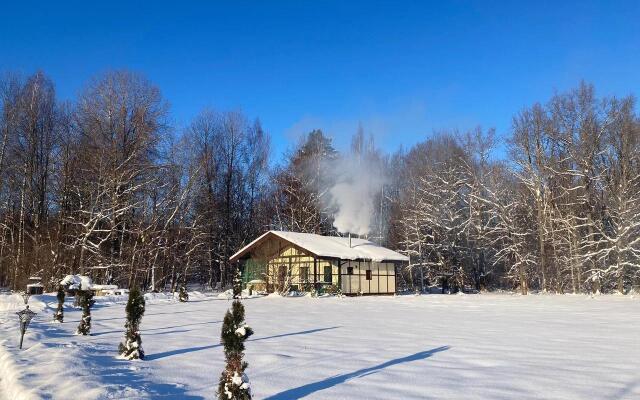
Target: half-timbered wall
<point>364,277</point>
<point>292,267</point>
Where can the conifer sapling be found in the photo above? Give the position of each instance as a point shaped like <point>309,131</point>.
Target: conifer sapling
<point>234,383</point>
<point>237,284</point>
<point>131,348</point>
<point>85,301</point>
<point>183,295</point>
<point>58,316</point>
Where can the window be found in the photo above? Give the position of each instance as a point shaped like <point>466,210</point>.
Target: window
<point>304,274</point>
<point>349,270</point>
<point>327,273</point>
<point>368,274</point>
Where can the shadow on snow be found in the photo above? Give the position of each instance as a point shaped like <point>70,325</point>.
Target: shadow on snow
<point>144,331</point>
<point>305,390</point>
<point>119,375</point>
<point>157,356</point>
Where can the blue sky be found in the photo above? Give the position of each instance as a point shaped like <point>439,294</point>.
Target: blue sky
<point>402,69</point>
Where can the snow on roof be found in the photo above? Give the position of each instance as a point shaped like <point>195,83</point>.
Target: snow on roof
<point>332,246</point>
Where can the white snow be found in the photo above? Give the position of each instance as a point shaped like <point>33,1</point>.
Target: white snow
<point>333,246</point>
<point>410,347</point>
<point>104,287</point>
<point>30,285</point>
<point>10,385</point>
<point>228,294</point>
<point>236,379</point>
<point>242,331</point>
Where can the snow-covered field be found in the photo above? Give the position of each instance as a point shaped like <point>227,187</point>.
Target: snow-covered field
<point>405,347</point>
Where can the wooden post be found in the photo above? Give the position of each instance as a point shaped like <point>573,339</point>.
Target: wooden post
<point>315,272</point>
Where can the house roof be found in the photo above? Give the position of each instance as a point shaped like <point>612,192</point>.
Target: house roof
<point>330,246</point>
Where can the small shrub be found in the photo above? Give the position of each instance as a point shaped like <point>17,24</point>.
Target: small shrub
<point>331,289</point>
<point>85,301</point>
<point>183,295</point>
<point>131,348</point>
<point>58,316</point>
<point>234,383</point>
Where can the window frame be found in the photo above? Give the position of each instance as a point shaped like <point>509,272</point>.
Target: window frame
<point>325,275</point>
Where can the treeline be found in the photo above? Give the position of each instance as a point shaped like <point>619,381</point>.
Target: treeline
<point>104,186</point>
<point>560,213</point>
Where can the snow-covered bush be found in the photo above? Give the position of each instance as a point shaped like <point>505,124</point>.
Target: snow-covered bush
<point>234,383</point>
<point>77,282</point>
<point>58,316</point>
<point>131,348</point>
<point>331,289</point>
<point>85,301</point>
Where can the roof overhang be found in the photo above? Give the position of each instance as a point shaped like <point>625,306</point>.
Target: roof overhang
<point>263,238</point>
<point>283,237</point>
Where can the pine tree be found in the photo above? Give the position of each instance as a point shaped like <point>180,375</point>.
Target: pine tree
<point>58,316</point>
<point>183,295</point>
<point>131,349</point>
<point>85,300</point>
<point>234,383</point>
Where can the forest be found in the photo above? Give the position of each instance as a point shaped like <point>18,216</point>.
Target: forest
<point>105,186</point>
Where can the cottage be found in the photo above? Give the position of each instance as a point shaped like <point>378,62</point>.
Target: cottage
<point>304,261</point>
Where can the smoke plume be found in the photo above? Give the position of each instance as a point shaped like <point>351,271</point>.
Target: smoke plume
<point>356,184</point>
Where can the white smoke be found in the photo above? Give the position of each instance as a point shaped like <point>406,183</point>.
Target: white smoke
<point>356,186</point>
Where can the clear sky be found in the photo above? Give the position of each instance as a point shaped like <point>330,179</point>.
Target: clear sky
<point>402,69</point>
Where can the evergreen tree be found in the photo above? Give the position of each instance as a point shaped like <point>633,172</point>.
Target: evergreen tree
<point>183,295</point>
<point>297,202</point>
<point>234,383</point>
<point>58,316</point>
<point>131,349</point>
<point>237,284</point>
<point>85,301</point>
